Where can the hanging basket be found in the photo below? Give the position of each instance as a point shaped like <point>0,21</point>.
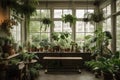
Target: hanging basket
<point>47,22</point>
<point>69,18</point>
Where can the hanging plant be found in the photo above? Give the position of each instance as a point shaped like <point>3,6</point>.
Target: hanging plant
<point>87,17</point>
<point>23,7</point>
<point>97,17</point>
<point>69,18</point>
<point>94,17</point>
<point>47,22</point>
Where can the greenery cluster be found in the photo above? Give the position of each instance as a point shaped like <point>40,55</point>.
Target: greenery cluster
<point>62,35</point>
<point>46,21</point>
<point>7,25</point>
<point>69,18</point>
<point>24,7</point>
<point>94,17</point>
<point>106,65</point>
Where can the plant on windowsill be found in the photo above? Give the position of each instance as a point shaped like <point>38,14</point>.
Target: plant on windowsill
<point>45,44</point>
<point>69,18</point>
<point>47,22</point>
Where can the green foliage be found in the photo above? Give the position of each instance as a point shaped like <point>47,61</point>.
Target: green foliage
<point>69,18</point>
<point>94,17</point>
<point>44,43</point>
<point>24,7</point>
<point>62,35</point>
<point>47,22</point>
<point>102,64</point>
<point>97,17</point>
<point>25,56</point>
<point>14,61</point>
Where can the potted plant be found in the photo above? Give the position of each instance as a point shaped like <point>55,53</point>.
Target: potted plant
<point>45,44</point>
<point>34,71</point>
<point>69,18</point>
<point>59,39</point>
<point>47,22</point>
<point>103,65</point>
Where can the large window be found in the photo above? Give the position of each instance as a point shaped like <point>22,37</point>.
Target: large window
<point>37,28</point>
<point>118,32</point>
<point>82,28</point>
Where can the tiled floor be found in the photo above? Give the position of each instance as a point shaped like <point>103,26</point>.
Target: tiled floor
<point>85,75</point>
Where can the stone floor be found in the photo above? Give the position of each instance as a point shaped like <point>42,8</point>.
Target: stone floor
<point>85,75</point>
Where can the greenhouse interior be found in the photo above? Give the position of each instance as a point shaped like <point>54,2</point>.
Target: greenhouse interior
<point>59,39</point>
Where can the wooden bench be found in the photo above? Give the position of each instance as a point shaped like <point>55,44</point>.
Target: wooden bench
<point>59,59</point>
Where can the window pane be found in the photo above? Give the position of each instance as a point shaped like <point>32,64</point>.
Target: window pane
<point>57,13</point>
<point>58,26</point>
<point>104,25</point>
<point>89,27</point>
<point>107,25</point>
<point>118,32</point>
<point>118,5</point>
<point>80,26</point>
<point>80,13</point>
<point>108,10</point>
<point>44,28</point>
<point>45,36</point>
<point>16,33</point>
<point>66,27</point>
<point>36,14</point>
<point>45,13</point>
<point>67,11</point>
<point>80,37</point>
<point>35,37</point>
<point>34,26</point>
<point>105,12</point>
<point>89,34</point>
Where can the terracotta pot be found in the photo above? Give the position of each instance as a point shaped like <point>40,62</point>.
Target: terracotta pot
<point>41,49</point>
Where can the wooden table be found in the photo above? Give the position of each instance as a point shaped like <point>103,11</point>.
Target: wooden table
<point>59,59</point>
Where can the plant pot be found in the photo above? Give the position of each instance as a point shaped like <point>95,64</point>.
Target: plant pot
<point>107,76</point>
<point>117,75</point>
<point>41,49</point>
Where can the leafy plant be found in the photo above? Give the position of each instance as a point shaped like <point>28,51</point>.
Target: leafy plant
<point>94,17</point>
<point>24,7</point>
<point>47,22</point>
<point>69,18</point>
<point>34,70</point>
<point>44,43</point>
